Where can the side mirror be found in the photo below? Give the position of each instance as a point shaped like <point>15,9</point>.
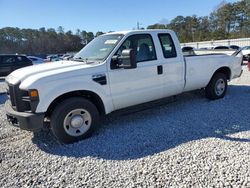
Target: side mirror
<point>127,60</point>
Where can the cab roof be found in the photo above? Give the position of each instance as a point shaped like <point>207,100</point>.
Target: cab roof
<point>141,31</point>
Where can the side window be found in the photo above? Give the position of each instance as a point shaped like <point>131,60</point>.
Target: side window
<point>19,59</point>
<point>124,46</point>
<point>143,46</point>
<point>8,59</point>
<point>22,59</point>
<point>167,45</point>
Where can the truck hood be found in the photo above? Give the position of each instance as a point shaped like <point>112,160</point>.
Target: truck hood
<point>45,69</point>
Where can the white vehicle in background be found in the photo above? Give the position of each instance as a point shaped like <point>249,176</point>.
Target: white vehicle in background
<point>246,52</point>
<point>36,60</point>
<point>114,71</point>
<point>52,58</point>
<point>67,56</point>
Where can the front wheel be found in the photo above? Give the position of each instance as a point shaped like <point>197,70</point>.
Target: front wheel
<point>74,119</point>
<point>217,87</point>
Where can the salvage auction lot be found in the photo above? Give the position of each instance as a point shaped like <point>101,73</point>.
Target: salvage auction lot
<point>187,142</point>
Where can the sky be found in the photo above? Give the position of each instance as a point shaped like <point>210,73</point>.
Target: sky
<point>102,15</point>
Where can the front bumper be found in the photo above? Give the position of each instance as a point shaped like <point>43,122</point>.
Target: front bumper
<point>240,73</point>
<point>24,120</point>
<point>237,75</point>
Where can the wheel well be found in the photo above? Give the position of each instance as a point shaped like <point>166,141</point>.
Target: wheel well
<point>224,70</point>
<point>93,97</point>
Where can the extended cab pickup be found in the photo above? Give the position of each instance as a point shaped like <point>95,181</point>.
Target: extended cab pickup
<point>114,71</point>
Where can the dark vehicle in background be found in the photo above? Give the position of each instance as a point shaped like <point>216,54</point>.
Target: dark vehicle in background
<point>235,47</point>
<point>188,50</point>
<point>221,48</point>
<point>231,47</point>
<point>9,63</point>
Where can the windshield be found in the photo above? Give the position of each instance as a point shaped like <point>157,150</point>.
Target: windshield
<point>99,48</point>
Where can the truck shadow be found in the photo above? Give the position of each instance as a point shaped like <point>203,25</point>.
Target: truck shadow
<point>3,98</point>
<point>137,134</point>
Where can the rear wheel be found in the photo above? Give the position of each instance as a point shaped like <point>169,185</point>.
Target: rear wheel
<point>74,119</point>
<point>217,87</point>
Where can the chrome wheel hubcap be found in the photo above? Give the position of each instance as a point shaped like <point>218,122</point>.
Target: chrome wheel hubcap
<point>77,122</point>
<point>220,87</point>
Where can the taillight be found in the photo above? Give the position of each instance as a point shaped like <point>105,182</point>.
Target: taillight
<point>248,63</point>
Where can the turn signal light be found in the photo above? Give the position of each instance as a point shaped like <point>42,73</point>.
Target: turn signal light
<point>34,94</point>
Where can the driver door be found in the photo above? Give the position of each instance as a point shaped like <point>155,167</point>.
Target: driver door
<point>142,84</point>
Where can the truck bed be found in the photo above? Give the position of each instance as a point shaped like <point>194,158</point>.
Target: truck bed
<point>200,68</point>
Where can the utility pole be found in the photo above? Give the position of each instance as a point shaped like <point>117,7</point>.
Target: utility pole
<point>193,30</point>
<point>86,39</point>
<point>138,25</point>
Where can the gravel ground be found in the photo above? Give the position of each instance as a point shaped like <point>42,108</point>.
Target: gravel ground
<point>191,142</point>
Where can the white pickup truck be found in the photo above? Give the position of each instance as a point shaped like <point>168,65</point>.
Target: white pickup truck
<point>114,71</point>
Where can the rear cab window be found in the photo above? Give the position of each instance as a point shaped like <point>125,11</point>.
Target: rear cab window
<point>167,45</point>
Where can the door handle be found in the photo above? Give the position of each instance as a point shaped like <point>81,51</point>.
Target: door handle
<point>159,69</point>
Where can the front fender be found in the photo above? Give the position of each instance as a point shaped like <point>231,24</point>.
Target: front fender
<point>48,93</point>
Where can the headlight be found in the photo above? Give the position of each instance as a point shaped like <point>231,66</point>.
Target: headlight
<point>12,80</point>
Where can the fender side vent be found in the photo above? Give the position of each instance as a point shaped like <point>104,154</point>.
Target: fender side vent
<point>100,78</point>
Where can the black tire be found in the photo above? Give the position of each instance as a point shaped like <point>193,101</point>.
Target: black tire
<point>212,92</point>
<point>62,114</point>
<point>246,57</point>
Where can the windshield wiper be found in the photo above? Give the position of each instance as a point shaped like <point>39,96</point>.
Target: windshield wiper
<point>79,59</point>
<point>83,60</point>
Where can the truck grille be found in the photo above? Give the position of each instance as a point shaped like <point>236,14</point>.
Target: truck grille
<point>16,97</point>
<point>10,93</point>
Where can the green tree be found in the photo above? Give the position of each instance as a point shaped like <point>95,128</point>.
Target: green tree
<point>99,33</point>
<point>157,26</point>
